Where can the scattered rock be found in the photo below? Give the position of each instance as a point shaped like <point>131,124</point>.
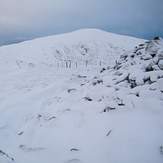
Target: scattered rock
<point>124,56</point>
<point>117,88</point>
<point>141,45</point>
<point>97,82</point>
<point>117,65</point>
<point>109,133</point>
<point>45,117</point>
<point>103,69</point>
<point>39,116</point>
<point>108,108</point>
<point>71,90</point>
<point>74,149</point>
<point>88,99</point>
<point>53,117</point>
<point>81,76</point>
<point>21,133</point>
<point>121,104</point>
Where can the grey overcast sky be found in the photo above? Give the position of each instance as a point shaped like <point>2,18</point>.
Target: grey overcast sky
<point>23,19</point>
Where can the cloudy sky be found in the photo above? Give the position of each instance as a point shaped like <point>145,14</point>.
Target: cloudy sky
<point>23,19</point>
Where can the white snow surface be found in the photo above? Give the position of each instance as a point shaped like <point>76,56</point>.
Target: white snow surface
<point>84,97</point>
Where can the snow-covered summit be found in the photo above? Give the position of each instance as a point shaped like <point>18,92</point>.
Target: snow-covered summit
<point>86,35</point>
<point>75,49</point>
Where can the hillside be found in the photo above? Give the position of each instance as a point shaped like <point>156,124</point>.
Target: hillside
<point>81,48</point>
<point>84,97</point>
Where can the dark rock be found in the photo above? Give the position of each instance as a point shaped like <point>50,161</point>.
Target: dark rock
<point>132,83</point>
<point>153,55</point>
<point>109,133</point>
<point>103,69</point>
<point>137,94</point>
<point>81,76</point>
<point>156,38</point>
<point>20,133</point>
<point>124,57</point>
<point>53,117</point>
<point>121,104</point>
<point>141,44</point>
<point>39,116</point>
<point>117,65</point>
<point>108,108</point>
<point>88,99</point>
<point>70,90</point>
<point>149,68</point>
<point>74,149</point>
<point>132,56</point>
<point>97,82</point>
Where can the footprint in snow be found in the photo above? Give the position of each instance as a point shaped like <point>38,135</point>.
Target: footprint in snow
<point>75,160</point>
<point>30,149</point>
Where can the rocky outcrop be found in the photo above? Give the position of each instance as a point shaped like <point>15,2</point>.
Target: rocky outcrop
<point>142,66</point>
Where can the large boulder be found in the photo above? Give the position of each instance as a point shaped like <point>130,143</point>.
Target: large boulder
<point>160,54</point>
<point>160,64</point>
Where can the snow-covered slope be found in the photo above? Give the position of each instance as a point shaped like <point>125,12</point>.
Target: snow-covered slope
<point>84,97</point>
<point>80,49</point>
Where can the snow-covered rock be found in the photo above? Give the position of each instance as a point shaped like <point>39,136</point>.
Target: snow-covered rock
<point>160,64</point>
